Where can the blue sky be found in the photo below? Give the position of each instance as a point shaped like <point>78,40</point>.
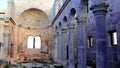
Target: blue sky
<point>53,1</point>
<point>3,4</point>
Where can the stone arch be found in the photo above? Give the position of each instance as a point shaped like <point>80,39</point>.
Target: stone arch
<point>59,41</point>
<point>71,25</point>
<point>59,26</point>
<point>40,21</point>
<point>64,44</point>
<point>72,16</point>
<point>64,25</point>
<point>65,18</point>
<point>21,5</point>
<point>72,12</point>
<point>34,17</point>
<point>55,28</point>
<point>33,9</point>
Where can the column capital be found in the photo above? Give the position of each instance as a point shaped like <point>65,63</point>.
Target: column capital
<point>58,33</point>
<point>71,26</point>
<point>55,35</point>
<point>6,34</point>
<point>99,9</point>
<point>82,20</point>
<point>64,30</point>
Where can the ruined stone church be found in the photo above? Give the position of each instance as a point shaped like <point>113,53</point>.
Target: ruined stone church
<point>60,34</point>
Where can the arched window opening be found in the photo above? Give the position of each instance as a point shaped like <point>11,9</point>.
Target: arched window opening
<point>56,28</point>
<point>34,42</point>
<point>37,42</point>
<point>65,19</point>
<point>59,26</point>
<point>73,12</point>
<point>64,23</point>
<point>30,42</point>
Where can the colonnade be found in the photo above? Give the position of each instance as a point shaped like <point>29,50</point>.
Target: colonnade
<point>67,36</point>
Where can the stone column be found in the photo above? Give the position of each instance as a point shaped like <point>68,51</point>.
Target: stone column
<point>58,50</point>
<point>56,45</point>
<point>16,42</point>
<point>19,38</point>
<point>71,28</point>
<point>59,46</point>
<point>81,29</point>
<point>64,47</point>
<point>6,44</point>
<point>99,11</point>
<point>2,51</point>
